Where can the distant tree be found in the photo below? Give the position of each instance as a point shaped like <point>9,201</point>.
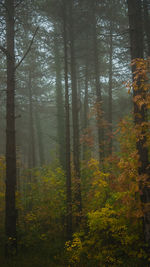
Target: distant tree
<point>86,101</point>
<point>110,85</point>
<point>31,157</point>
<point>96,60</point>
<point>67,127</point>
<point>59,95</point>
<point>75,114</point>
<point>39,137</point>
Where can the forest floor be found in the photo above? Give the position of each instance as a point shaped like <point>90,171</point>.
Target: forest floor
<point>30,260</point>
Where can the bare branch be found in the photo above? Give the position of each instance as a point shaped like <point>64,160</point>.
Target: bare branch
<point>27,49</point>
<point>18,4</point>
<point>2,4</point>
<point>4,50</point>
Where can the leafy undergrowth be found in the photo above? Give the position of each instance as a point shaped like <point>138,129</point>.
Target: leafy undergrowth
<point>112,234</point>
<point>111,231</point>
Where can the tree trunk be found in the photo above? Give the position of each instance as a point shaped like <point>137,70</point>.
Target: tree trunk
<point>75,120</point>
<point>110,90</point>
<point>31,126</point>
<point>59,101</point>
<point>39,137</point>
<point>98,87</point>
<point>86,107</point>
<point>140,113</point>
<point>147,25</point>
<point>86,96</point>
<point>10,208</point>
<point>67,125</point>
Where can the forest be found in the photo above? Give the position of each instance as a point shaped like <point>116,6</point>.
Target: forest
<point>74,133</point>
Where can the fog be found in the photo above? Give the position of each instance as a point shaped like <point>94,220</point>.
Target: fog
<point>66,124</point>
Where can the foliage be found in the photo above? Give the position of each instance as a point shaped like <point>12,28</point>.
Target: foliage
<point>111,229</point>
<point>113,235</point>
<point>41,220</point>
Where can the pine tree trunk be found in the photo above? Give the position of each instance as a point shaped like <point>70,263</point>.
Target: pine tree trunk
<point>10,208</point>
<point>110,90</point>
<point>67,125</point>
<point>86,107</point>
<point>98,87</point>
<point>147,25</point>
<point>140,113</point>
<point>39,137</point>
<point>59,101</point>
<point>32,160</point>
<point>75,120</point>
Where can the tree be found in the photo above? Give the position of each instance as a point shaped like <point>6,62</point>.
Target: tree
<point>146,24</point>
<point>67,127</point>
<point>75,116</point>
<point>10,209</point>
<point>32,159</point>
<point>97,83</point>
<point>140,112</point>
<point>11,170</point>
<point>59,97</point>
<point>39,137</point>
<point>110,86</point>
<point>86,106</point>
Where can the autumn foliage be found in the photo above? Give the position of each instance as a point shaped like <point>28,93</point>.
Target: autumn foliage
<point>111,231</point>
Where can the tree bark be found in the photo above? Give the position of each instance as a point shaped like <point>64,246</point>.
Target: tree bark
<point>86,155</point>
<point>110,89</point>
<point>67,125</point>
<point>11,180</point>
<point>147,25</point>
<point>59,101</point>
<point>32,160</point>
<point>140,113</point>
<point>97,86</point>
<point>39,137</point>
<point>75,120</point>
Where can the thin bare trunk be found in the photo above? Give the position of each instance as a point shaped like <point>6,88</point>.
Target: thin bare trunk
<point>31,126</point>
<point>110,89</point>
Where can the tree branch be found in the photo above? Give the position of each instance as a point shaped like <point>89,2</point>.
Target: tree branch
<point>4,50</point>
<point>18,4</point>
<point>27,49</point>
<point>2,4</point>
